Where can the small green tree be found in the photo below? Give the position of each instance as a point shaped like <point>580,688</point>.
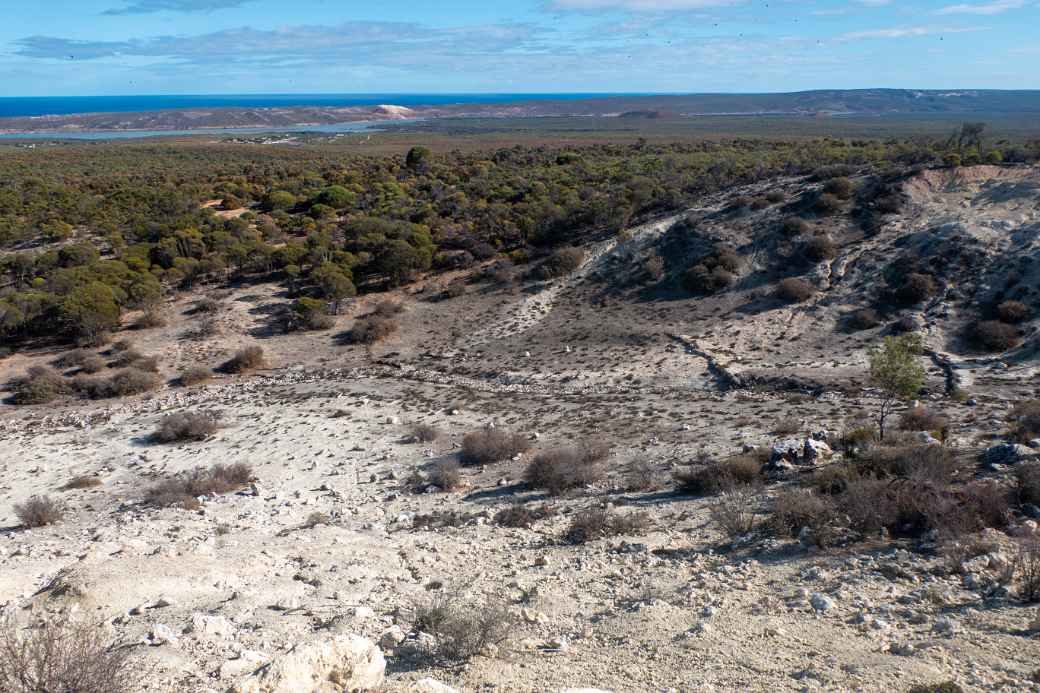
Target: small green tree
<point>89,311</point>
<point>335,284</point>
<point>417,158</point>
<point>894,368</point>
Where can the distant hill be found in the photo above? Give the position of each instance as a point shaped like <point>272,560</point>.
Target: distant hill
<point>805,103</point>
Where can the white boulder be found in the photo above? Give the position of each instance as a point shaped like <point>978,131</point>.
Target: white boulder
<point>335,665</point>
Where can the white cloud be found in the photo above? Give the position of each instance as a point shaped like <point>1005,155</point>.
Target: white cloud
<point>903,32</point>
<point>984,8</point>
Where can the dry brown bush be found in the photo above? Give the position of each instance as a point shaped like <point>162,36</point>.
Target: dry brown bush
<point>916,287</point>
<point>561,469</point>
<point>711,477</point>
<point>1014,312</point>
<point>92,364</point>
<point>733,512</point>
<point>491,445</point>
<point>795,226</point>
<point>1024,421</point>
<point>150,319</point>
<point>245,360</point>
<point>185,426</point>
<point>521,515</point>
<point>39,511</point>
<point>73,359</point>
<point>81,482</point>
<point>39,385</point>
<point>122,383</point>
<point>183,490</point>
<point>827,204</point>
<point>387,309</point>
<point>908,461</point>
<point>1027,569</point>
<point>1027,480</point>
<point>794,290</point>
<point>195,375</point>
<point>922,419</point>
<point>994,336</point>
<point>372,329</point>
<point>863,319</point>
<point>596,523</point>
<point>819,248</point>
<point>446,475</point>
<point>840,187</point>
<point>424,433</point>
<point>461,628</point>
<point>799,508</point>
<point>562,262</point>
<point>59,655</point>
<point>206,305</point>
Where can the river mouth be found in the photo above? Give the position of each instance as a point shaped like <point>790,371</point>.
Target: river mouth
<point>327,129</point>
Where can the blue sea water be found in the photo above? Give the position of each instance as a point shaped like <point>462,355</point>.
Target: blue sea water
<point>14,106</point>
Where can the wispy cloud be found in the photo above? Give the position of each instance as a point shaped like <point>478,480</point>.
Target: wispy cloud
<point>983,8</point>
<point>150,6</point>
<point>904,32</point>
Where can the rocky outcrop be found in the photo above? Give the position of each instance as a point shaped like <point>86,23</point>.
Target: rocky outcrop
<point>345,663</point>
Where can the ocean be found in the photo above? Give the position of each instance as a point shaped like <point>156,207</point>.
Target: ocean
<point>15,106</point>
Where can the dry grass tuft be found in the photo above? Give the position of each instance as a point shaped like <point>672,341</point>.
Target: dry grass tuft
<point>39,511</point>
<point>185,426</point>
<point>561,469</point>
<point>490,445</point>
<point>183,490</point>
<point>245,360</point>
<point>595,523</point>
<point>60,655</point>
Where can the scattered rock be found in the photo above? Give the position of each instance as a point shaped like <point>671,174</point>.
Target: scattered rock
<point>335,665</point>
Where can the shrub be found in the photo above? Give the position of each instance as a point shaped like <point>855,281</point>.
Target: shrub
<point>132,358</point>
<point>794,290</point>
<point>1024,421</point>
<point>185,426</point>
<point>122,383</point>
<point>1014,312</point>
<point>922,419</point>
<point>195,375</point>
<point>184,489</point>
<point>562,262</point>
<point>927,462</point>
<point>654,267</point>
<point>775,196</point>
<point>889,204</point>
<point>307,313</point>
<point>758,203</point>
<point>522,516</point>
<point>39,385</point>
<point>491,445</point>
<point>446,475</point>
<point>795,226</point>
<point>462,630</point>
<point>92,364</point>
<point>1027,478</point>
<point>840,187</point>
<point>73,359</point>
<point>151,318</point>
<point>372,329</point>
<point>59,654</point>
<point>863,319</point>
<point>562,469</point>
<point>39,511</point>
<point>915,288</point>
<point>206,305</point>
<point>387,309</point>
<point>716,476</point>
<point>245,360</point>
<point>819,248</point>
<point>81,482</point>
<point>795,509</point>
<point>827,204</point>
<point>424,433</point>
<point>733,513</point>
<point>1027,569</point>
<point>994,336</point>
<point>595,523</point>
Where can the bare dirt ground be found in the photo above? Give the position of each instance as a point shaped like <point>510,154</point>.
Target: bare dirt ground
<point>599,354</point>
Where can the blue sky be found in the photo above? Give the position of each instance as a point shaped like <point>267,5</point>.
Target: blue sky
<point>92,47</point>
